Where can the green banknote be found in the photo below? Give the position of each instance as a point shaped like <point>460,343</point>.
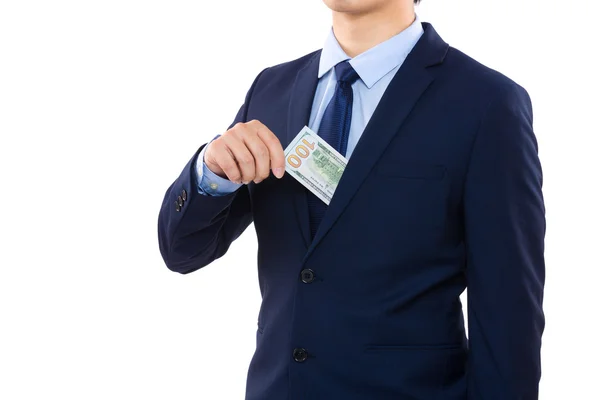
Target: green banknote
<point>315,164</point>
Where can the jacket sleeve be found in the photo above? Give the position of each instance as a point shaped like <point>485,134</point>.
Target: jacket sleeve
<point>505,228</point>
<point>194,234</point>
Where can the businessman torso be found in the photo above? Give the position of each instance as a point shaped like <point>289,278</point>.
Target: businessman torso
<point>369,308</point>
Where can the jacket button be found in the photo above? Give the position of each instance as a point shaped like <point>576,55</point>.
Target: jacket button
<point>300,355</point>
<point>184,195</point>
<point>177,206</point>
<point>307,275</point>
<point>180,201</point>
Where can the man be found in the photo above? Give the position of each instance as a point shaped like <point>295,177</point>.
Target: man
<point>442,191</point>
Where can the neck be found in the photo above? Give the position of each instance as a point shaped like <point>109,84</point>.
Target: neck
<point>357,33</point>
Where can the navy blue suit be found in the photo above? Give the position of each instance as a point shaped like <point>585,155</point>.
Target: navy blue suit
<point>442,192</point>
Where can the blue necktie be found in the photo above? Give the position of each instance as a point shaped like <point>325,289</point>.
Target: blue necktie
<point>334,129</point>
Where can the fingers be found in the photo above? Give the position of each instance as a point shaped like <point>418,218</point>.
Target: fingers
<point>276,156</point>
<point>261,157</point>
<point>242,155</point>
<point>222,157</point>
<point>246,152</point>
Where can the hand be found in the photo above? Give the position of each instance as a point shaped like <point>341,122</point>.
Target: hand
<point>247,152</point>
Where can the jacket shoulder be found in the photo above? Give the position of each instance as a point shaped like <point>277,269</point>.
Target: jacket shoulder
<point>285,73</point>
<point>295,64</point>
<point>481,78</point>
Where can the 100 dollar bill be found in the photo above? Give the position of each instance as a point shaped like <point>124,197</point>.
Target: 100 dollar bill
<point>315,164</point>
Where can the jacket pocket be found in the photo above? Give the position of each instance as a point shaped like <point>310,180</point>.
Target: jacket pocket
<point>377,347</point>
<point>413,371</point>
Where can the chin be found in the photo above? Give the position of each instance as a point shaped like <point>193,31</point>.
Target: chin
<point>353,6</point>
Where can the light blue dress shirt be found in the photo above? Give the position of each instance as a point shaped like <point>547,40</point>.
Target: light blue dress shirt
<point>376,67</point>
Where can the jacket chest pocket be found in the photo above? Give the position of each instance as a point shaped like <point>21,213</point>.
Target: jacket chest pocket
<point>410,171</point>
<point>413,196</point>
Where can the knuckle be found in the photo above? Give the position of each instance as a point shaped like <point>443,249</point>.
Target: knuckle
<point>262,152</point>
<point>246,160</point>
<point>272,138</point>
<point>212,155</point>
<point>273,143</point>
<point>232,172</point>
<point>216,144</point>
<point>237,129</point>
<point>227,165</point>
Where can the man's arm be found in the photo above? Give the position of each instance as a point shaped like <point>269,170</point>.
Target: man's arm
<point>201,230</point>
<point>505,229</point>
<point>196,228</point>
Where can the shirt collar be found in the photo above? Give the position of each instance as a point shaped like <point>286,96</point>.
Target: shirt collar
<point>375,63</point>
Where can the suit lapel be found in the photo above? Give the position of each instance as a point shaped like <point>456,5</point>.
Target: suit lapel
<point>403,92</point>
<point>301,101</point>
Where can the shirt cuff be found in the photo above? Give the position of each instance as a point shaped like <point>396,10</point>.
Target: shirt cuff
<point>209,183</point>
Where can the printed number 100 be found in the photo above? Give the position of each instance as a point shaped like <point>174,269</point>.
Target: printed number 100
<point>301,151</point>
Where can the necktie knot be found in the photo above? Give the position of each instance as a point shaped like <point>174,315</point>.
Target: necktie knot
<point>345,73</point>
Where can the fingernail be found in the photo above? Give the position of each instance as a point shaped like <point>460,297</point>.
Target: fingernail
<point>278,172</point>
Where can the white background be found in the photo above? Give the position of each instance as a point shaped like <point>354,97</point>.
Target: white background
<point>103,102</point>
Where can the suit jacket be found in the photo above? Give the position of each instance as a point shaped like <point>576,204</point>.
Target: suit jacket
<point>443,191</point>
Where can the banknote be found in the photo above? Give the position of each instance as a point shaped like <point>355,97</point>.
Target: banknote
<point>315,164</point>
